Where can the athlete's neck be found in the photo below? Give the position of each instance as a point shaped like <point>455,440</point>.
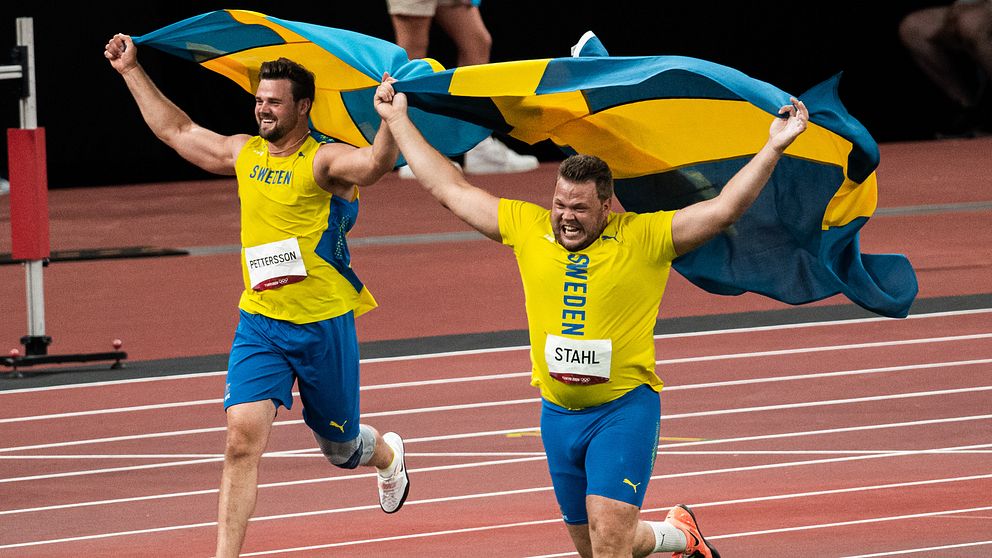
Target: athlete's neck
<point>277,151</point>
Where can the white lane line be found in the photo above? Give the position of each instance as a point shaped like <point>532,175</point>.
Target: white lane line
<point>276,423</point>
<point>902,552</point>
<point>846,401</point>
<point>540,457</point>
<point>539,522</point>
<point>763,408</point>
<point>557,520</point>
<point>168,378</point>
<point>851,346</point>
<point>400,385</point>
<point>789,464</point>
<point>281,484</point>
<point>837,374</point>
<point>315,454</point>
<point>218,401</point>
<point>827,431</point>
<point>801,325</point>
<point>927,515</point>
<point>928,549</point>
<point>753,329</point>
<point>468,352</point>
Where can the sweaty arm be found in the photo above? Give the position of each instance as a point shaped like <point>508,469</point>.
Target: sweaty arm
<point>204,148</point>
<point>477,207</point>
<point>694,225</point>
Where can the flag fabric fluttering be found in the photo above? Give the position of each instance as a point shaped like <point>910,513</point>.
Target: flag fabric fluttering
<point>673,130</point>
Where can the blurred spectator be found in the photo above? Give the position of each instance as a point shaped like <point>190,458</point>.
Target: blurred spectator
<point>952,44</point>
<point>462,21</point>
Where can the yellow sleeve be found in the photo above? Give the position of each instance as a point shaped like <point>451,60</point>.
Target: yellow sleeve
<point>653,231</point>
<point>516,218</point>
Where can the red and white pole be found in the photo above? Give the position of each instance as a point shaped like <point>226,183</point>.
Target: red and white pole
<point>29,196</point>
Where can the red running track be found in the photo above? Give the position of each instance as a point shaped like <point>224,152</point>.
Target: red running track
<point>840,439</point>
<point>845,439</point>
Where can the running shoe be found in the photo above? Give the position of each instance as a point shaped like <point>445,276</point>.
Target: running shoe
<point>696,546</point>
<point>394,489</point>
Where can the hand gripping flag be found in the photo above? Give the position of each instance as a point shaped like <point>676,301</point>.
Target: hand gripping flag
<point>673,129</point>
<point>348,67</point>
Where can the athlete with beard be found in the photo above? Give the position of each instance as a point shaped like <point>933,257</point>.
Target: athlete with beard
<point>593,281</point>
<point>299,198</point>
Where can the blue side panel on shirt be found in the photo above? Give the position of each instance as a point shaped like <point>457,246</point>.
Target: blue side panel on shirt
<point>333,245</point>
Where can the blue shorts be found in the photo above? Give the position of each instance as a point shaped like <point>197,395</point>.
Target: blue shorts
<point>607,450</point>
<point>322,357</point>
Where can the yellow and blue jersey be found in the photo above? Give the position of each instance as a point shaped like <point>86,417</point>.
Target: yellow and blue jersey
<point>607,294</point>
<point>281,201</point>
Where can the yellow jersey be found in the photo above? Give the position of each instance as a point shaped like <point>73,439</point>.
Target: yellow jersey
<point>295,258</point>
<point>591,313</point>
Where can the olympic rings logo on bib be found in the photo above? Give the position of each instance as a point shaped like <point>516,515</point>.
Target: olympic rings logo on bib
<point>578,361</point>
<point>275,264</point>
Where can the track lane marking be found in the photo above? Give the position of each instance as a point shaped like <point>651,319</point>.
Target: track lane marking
<point>663,448</point>
<point>469,352</point>
<point>545,521</point>
<point>728,383</point>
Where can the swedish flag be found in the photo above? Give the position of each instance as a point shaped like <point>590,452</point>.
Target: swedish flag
<point>673,129</point>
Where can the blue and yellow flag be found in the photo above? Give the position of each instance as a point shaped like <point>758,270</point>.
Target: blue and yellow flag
<point>673,129</point>
<point>348,67</point>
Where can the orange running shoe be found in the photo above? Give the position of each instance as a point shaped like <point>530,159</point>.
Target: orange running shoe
<point>696,546</point>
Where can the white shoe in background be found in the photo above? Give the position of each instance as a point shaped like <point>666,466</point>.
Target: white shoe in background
<point>492,157</point>
<point>4,186</point>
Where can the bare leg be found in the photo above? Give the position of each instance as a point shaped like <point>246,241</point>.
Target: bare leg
<point>413,34</point>
<point>613,530</point>
<point>465,27</point>
<point>382,457</point>
<point>974,26</point>
<point>925,35</point>
<point>248,428</point>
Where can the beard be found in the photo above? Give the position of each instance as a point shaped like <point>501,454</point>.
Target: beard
<point>273,134</point>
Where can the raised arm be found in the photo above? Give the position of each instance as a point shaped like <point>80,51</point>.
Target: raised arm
<point>338,165</point>
<point>202,147</point>
<point>436,174</point>
<point>692,226</point>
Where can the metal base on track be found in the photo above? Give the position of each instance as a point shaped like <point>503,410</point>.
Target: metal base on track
<point>36,352</point>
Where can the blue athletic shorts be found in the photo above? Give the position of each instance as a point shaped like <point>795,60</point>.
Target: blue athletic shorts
<point>322,357</point>
<point>607,450</point>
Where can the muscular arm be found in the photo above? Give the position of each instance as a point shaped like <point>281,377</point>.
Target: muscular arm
<point>337,167</point>
<point>694,225</point>
<point>204,148</point>
<point>436,174</point>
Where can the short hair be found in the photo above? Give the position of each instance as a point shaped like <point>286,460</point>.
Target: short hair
<point>583,168</point>
<point>300,78</point>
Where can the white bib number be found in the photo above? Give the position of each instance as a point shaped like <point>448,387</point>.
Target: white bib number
<point>578,361</point>
<point>275,264</point>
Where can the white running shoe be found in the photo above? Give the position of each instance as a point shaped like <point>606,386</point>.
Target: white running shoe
<point>4,186</point>
<point>405,171</point>
<point>394,489</point>
<point>492,157</point>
